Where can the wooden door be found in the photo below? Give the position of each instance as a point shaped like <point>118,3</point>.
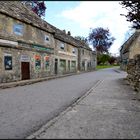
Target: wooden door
<point>25,70</point>
<point>55,66</point>
<point>69,65</point>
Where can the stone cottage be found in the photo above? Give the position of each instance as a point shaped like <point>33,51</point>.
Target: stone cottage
<point>86,58</point>
<point>129,49</point>
<point>66,53</point>
<point>32,48</point>
<point>26,44</point>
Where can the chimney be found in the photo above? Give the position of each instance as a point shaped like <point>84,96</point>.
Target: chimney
<point>69,33</point>
<point>64,31</point>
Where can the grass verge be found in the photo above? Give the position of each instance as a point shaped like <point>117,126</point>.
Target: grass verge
<point>105,66</point>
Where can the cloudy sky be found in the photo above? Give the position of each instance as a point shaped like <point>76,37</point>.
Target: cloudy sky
<point>79,16</point>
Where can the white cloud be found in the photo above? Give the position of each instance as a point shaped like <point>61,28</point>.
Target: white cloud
<point>92,14</point>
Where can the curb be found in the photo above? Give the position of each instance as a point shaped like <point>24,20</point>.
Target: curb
<point>56,118</point>
<point>32,81</point>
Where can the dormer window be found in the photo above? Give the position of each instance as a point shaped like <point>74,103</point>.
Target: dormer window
<point>62,46</point>
<point>47,39</point>
<point>18,29</point>
<point>73,50</point>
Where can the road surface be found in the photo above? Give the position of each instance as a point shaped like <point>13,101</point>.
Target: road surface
<point>23,110</point>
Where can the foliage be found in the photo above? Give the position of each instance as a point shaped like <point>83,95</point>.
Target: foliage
<point>101,39</point>
<point>36,6</point>
<point>133,14</point>
<point>83,39</point>
<point>102,58</point>
<point>107,59</point>
<point>103,66</point>
<point>112,60</point>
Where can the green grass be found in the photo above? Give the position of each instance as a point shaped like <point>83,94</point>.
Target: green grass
<point>105,66</point>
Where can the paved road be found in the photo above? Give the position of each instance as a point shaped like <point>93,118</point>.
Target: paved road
<point>111,110</point>
<point>25,109</point>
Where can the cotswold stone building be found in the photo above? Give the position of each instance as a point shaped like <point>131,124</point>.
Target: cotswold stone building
<point>26,44</point>
<point>87,58</point>
<point>129,49</point>
<point>32,48</point>
<point>66,53</point>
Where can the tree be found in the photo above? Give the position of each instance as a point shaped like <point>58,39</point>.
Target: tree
<point>133,15</point>
<point>83,39</point>
<point>112,60</point>
<point>101,39</point>
<point>37,7</point>
<point>102,58</point>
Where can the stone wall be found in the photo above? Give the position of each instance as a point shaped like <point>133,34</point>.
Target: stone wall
<point>133,70</point>
<point>87,59</point>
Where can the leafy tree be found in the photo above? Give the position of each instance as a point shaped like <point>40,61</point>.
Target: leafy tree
<point>133,15</point>
<point>112,60</point>
<point>101,39</point>
<point>36,6</point>
<point>81,38</point>
<point>102,59</point>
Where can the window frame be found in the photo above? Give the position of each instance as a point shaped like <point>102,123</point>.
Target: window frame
<point>47,41</point>
<point>18,29</point>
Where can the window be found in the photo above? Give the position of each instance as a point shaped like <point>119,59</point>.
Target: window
<point>47,38</point>
<point>89,64</point>
<point>73,64</point>
<point>62,65</point>
<point>62,46</point>
<point>8,62</point>
<point>83,64</point>
<point>18,29</point>
<point>73,50</point>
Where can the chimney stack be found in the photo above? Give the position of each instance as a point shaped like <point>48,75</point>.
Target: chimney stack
<point>69,33</point>
<point>64,31</point>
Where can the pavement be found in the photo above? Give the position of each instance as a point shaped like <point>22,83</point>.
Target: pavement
<point>32,81</point>
<point>109,110</point>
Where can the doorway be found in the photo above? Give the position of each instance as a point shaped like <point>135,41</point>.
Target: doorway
<point>56,66</point>
<point>25,70</point>
<point>69,65</point>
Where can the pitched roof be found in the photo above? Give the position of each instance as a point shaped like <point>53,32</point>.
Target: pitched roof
<point>125,47</point>
<point>19,11</point>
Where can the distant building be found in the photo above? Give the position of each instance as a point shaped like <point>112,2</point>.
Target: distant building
<point>87,58</point>
<point>129,49</point>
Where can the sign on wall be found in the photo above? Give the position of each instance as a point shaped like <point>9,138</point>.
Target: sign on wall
<point>8,62</point>
<point>37,62</point>
<point>41,48</point>
<point>47,62</point>
<point>25,58</point>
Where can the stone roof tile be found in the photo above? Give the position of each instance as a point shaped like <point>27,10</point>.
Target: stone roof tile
<point>20,12</point>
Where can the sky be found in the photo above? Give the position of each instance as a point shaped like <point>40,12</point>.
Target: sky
<point>79,16</point>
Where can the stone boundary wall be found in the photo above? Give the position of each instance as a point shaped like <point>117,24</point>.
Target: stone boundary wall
<point>133,70</point>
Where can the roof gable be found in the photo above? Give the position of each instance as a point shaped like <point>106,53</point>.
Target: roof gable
<point>126,46</point>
